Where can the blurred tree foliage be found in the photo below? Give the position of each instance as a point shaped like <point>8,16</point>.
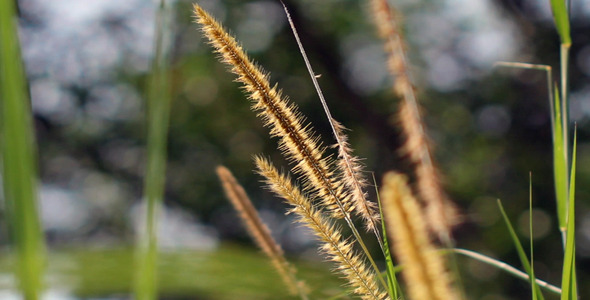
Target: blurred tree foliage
<point>489,126</point>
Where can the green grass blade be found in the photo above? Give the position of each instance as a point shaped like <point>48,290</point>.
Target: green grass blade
<point>565,118</point>
<point>564,51</point>
<point>392,283</point>
<point>520,250</point>
<point>534,287</point>
<point>561,18</point>
<point>158,114</point>
<point>19,158</point>
<point>531,253</point>
<point>560,172</point>
<point>568,279</point>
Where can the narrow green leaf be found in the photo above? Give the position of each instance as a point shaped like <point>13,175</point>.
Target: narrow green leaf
<point>19,159</point>
<point>536,290</point>
<point>561,18</point>
<point>158,114</point>
<point>392,283</point>
<point>560,173</point>
<point>531,252</point>
<point>568,278</point>
<point>520,250</point>
<point>565,109</point>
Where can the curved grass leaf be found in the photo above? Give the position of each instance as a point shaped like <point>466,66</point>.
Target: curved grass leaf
<point>521,253</point>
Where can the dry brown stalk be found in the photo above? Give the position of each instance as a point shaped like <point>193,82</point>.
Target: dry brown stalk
<point>338,249</point>
<point>441,213</point>
<point>298,143</point>
<point>424,270</point>
<point>260,232</point>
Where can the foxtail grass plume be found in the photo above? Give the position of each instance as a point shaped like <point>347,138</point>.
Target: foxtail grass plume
<point>260,232</point>
<point>296,140</point>
<point>441,213</point>
<point>339,250</point>
<point>424,271</point>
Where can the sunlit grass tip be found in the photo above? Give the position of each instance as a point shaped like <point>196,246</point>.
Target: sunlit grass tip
<point>296,140</point>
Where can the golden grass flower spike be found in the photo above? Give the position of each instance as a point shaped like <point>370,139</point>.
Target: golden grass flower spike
<point>424,270</point>
<point>338,249</point>
<point>260,232</point>
<point>297,141</point>
<point>441,213</point>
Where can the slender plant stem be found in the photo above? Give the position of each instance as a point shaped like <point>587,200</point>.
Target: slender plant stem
<point>158,108</point>
<point>340,142</point>
<point>564,66</point>
<point>394,289</point>
<point>536,291</point>
<point>504,266</point>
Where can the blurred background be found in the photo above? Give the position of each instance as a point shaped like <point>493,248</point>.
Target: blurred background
<point>87,64</point>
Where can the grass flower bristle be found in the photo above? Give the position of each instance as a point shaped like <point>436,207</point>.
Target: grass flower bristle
<point>351,171</point>
<point>260,232</point>
<point>424,269</point>
<point>339,250</point>
<point>349,166</point>
<point>440,212</point>
<point>297,142</point>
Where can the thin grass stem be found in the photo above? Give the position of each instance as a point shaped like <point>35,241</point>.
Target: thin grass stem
<point>531,251</point>
<point>158,114</point>
<point>505,267</point>
<point>356,183</point>
<point>393,285</point>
